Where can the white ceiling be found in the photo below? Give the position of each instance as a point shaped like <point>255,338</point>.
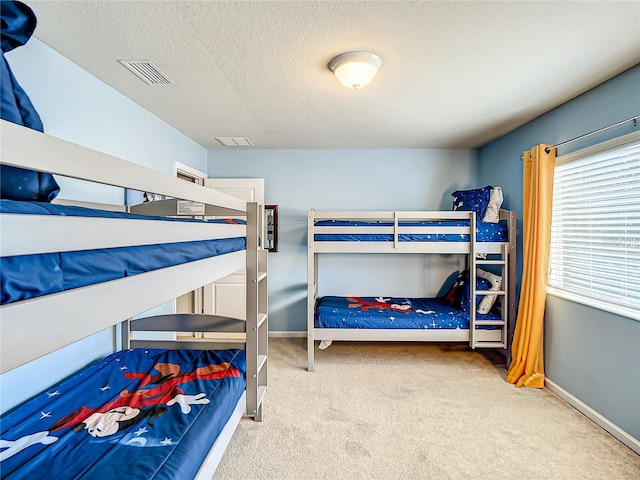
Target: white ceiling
<point>455,74</point>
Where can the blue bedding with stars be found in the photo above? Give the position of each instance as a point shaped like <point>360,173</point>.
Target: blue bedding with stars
<point>28,276</point>
<point>485,232</point>
<point>392,313</point>
<point>137,414</point>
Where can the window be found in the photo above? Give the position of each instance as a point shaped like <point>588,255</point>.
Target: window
<point>595,231</point>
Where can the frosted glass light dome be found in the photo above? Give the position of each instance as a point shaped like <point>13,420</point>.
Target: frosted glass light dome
<point>355,69</point>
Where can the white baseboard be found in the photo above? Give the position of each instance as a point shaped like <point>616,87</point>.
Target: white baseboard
<point>282,333</point>
<point>630,441</point>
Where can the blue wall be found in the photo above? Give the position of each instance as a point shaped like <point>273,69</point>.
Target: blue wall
<point>77,107</point>
<point>298,180</point>
<point>593,355</point>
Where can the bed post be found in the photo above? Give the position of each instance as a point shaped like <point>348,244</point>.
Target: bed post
<point>311,286</point>
<point>511,267</point>
<point>125,334</point>
<point>472,280</point>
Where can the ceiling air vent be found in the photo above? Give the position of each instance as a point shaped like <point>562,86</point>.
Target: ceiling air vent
<point>147,71</point>
<point>235,141</point>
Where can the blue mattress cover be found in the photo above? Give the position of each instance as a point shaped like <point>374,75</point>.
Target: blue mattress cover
<point>28,276</point>
<point>392,313</point>
<point>137,414</point>
<point>43,208</point>
<point>485,232</point>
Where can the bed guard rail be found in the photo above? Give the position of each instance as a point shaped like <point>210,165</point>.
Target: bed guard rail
<point>391,224</point>
<point>227,332</point>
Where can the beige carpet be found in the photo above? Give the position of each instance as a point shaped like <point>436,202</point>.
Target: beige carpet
<point>413,411</point>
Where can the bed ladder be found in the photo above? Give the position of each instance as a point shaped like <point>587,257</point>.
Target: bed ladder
<point>257,315</point>
<point>475,333</point>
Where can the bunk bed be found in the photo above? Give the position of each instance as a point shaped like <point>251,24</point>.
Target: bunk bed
<point>194,390</point>
<point>489,246</point>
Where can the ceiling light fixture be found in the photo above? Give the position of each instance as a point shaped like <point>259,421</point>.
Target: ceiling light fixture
<point>355,69</point>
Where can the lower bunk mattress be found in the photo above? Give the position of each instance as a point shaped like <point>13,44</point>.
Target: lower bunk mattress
<point>137,414</point>
<point>29,276</point>
<point>393,313</point>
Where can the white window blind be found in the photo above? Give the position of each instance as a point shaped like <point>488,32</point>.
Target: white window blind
<point>595,232</point>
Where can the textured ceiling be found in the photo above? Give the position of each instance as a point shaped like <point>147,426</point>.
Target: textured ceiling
<point>454,74</point>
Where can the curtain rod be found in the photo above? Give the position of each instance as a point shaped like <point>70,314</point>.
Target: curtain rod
<point>634,118</point>
<point>635,122</point>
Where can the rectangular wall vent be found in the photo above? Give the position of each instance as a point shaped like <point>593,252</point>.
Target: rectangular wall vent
<point>235,141</point>
<point>148,72</point>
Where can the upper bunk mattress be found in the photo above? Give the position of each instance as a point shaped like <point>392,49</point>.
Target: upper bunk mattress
<point>485,232</point>
<point>138,414</point>
<point>27,276</point>
<point>44,208</point>
<point>392,313</point>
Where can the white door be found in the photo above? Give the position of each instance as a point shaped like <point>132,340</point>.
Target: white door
<point>248,189</point>
<point>227,296</point>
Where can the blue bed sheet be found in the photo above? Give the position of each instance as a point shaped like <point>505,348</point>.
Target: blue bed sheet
<point>138,414</point>
<point>28,276</point>
<point>392,313</point>
<point>43,208</point>
<point>485,232</point>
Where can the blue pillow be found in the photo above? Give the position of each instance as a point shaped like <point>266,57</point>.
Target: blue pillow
<point>458,295</point>
<point>481,284</point>
<point>18,23</point>
<point>472,201</point>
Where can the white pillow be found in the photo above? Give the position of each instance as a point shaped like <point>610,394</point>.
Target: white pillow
<point>488,300</point>
<point>492,214</point>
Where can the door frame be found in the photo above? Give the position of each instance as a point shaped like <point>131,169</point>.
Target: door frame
<point>195,297</point>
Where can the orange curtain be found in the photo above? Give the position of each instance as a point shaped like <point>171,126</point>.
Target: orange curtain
<point>527,352</point>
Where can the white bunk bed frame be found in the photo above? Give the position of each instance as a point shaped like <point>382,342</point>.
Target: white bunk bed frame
<point>32,328</point>
<point>496,338</point>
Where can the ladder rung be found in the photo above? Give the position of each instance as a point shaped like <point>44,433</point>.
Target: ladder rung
<point>261,318</point>
<point>262,389</point>
<point>491,262</point>
<point>489,322</point>
<point>490,345</point>
<point>490,292</point>
<point>262,361</point>
<point>262,276</point>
